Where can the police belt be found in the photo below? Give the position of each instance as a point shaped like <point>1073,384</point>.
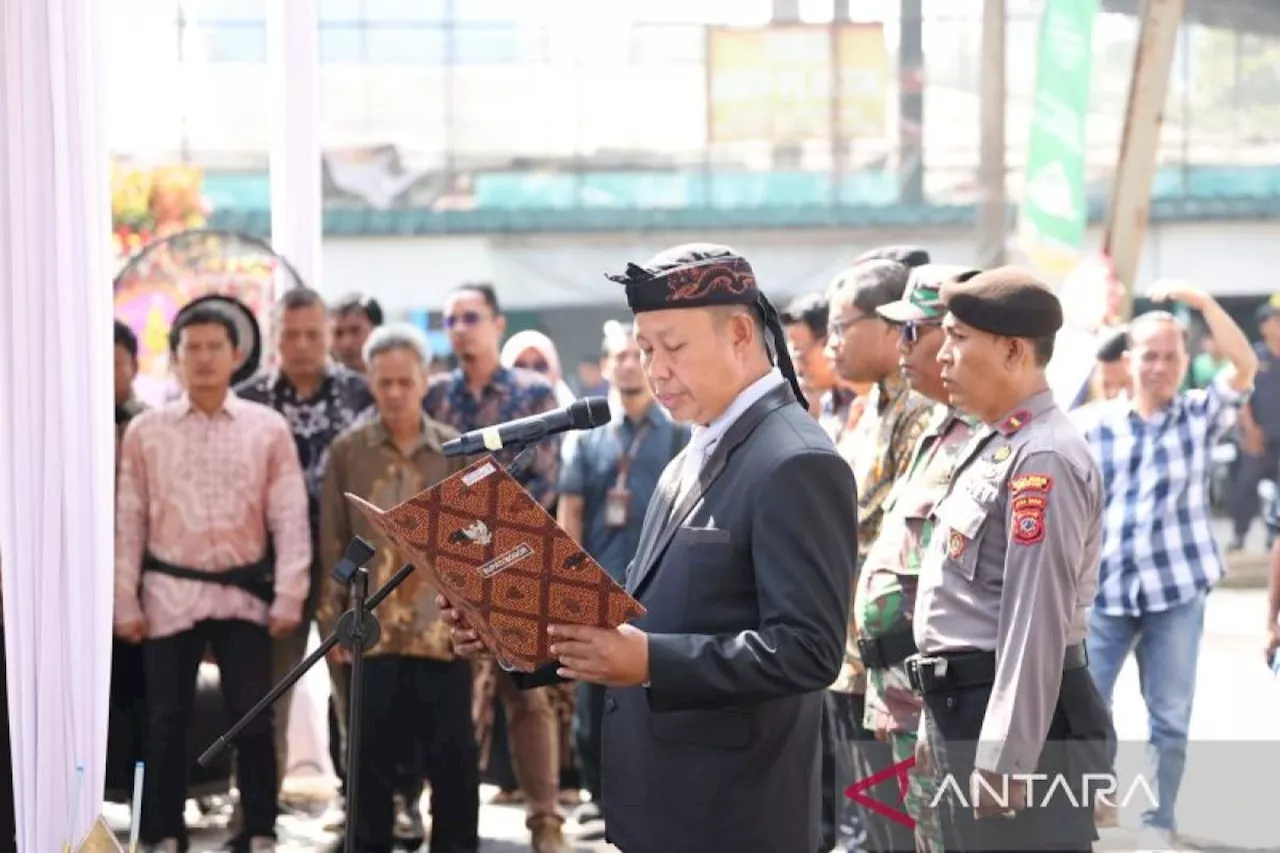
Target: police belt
<point>257,579</point>
<point>959,670</point>
<point>887,650</point>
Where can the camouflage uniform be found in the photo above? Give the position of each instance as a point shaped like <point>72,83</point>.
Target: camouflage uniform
<point>885,599</point>
<point>878,449</point>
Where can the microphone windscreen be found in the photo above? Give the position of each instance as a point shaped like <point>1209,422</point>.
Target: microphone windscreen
<point>589,413</point>
<point>359,551</point>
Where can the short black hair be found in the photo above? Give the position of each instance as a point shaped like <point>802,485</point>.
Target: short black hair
<point>1043,348</point>
<point>296,298</point>
<point>366,305</point>
<point>202,316</point>
<point>811,309</point>
<point>875,283</point>
<point>1113,346</point>
<point>910,256</point>
<point>126,339</point>
<point>486,291</point>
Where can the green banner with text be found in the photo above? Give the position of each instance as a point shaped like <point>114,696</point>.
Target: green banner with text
<point>1055,204</point>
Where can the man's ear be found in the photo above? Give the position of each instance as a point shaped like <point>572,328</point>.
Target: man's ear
<point>500,323</point>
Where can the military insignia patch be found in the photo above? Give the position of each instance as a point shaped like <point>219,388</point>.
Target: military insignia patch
<point>1028,525</point>
<point>1030,483</point>
<point>1001,454</point>
<point>956,544</point>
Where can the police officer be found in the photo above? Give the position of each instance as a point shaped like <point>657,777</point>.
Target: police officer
<point>1004,585</point>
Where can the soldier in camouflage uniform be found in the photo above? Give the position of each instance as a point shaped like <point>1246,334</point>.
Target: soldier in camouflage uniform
<point>414,686</point>
<point>885,598</point>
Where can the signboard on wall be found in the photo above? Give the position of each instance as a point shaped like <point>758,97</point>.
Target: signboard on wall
<point>777,83</point>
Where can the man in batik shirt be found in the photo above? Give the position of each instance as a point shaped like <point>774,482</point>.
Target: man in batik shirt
<point>212,551</point>
<point>885,598</point>
<point>320,400</point>
<point>481,393</point>
<point>865,349</point>
<point>415,690</point>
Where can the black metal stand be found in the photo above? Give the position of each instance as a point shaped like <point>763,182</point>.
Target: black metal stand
<point>358,629</point>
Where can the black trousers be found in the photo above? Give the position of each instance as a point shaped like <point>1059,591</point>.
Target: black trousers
<point>588,719</point>
<point>414,699</point>
<point>242,651</point>
<point>868,756</point>
<point>8,824</point>
<point>1079,742</point>
<point>1244,492</point>
<point>127,726</point>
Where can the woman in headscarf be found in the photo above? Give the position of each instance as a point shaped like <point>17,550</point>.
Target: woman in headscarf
<point>532,350</point>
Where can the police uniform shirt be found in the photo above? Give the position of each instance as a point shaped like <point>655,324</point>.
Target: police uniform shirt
<point>1012,568</point>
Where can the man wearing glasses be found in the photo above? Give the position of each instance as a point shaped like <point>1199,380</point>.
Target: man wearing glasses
<point>864,348</point>
<point>886,594</point>
<point>480,393</point>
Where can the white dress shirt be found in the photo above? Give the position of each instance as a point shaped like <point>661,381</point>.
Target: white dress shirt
<point>703,440</point>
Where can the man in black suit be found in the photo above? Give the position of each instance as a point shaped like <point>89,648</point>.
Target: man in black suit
<point>745,564</point>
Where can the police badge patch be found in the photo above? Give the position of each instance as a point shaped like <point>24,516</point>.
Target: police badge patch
<point>956,544</point>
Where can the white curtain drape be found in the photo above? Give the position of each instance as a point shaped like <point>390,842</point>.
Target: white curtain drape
<point>56,432</point>
<point>293,54</point>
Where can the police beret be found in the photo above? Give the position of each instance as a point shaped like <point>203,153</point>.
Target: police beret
<point>1006,301</point>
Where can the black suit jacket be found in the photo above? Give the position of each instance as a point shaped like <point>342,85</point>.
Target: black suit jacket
<point>747,586</point>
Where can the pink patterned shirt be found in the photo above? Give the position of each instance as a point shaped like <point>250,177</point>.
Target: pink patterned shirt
<point>202,491</point>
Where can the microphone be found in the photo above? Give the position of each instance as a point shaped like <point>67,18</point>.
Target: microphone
<point>587,413</point>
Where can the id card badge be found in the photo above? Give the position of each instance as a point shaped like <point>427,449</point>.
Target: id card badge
<point>617,503</point>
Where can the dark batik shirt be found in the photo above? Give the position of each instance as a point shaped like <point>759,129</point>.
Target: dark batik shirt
<point>509,394</point>
<point>315,422</point>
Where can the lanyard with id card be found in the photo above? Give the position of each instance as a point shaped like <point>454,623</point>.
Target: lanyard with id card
<point>617,501</point>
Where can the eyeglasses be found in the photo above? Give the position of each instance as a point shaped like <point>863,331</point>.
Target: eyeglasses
<point>838,328</point>
<point>466,318</point>
<point>533,364</point>
<point>912,329</point>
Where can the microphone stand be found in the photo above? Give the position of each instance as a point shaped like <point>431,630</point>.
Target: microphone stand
<point>358,629</point>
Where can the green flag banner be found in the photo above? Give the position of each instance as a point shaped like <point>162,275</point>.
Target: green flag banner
<point>1055,207</point>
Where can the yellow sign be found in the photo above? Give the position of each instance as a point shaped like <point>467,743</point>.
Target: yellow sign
<point>777,84</point>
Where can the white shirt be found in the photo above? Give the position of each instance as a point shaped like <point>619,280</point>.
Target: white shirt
<point>703,440</point>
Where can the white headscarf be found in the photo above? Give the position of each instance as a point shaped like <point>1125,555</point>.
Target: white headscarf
<point>533,340</point>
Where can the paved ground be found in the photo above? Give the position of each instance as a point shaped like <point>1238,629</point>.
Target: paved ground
<point>1227,790</point>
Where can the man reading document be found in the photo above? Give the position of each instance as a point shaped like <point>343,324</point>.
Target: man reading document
<point>746,564</point>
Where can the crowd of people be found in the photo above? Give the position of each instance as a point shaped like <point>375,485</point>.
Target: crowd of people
<point>925,380</point>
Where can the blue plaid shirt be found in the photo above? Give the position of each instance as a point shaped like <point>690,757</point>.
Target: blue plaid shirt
<point>1158,549</point>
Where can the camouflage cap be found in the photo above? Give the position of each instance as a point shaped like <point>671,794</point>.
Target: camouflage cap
<point>922,299</point>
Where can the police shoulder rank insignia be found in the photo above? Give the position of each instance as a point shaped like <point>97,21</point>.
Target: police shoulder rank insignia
<point>1015,422</point>
<point>1030,493</point>
<point>956,544</point>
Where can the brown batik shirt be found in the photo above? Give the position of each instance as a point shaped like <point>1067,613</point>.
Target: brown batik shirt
<point>366,462</point>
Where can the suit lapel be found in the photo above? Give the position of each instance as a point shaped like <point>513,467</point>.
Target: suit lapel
<point>660,528</point>
<point>657,511</point>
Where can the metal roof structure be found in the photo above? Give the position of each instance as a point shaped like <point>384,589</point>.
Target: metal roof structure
<point>1261,17</point>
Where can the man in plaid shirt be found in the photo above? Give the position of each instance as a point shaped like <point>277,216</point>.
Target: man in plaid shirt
<point>1159,557</point>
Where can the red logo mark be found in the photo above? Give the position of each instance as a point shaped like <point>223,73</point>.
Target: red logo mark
<point>859,792</point>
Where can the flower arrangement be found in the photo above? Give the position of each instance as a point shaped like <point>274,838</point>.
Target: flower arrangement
<point>148,204</point>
